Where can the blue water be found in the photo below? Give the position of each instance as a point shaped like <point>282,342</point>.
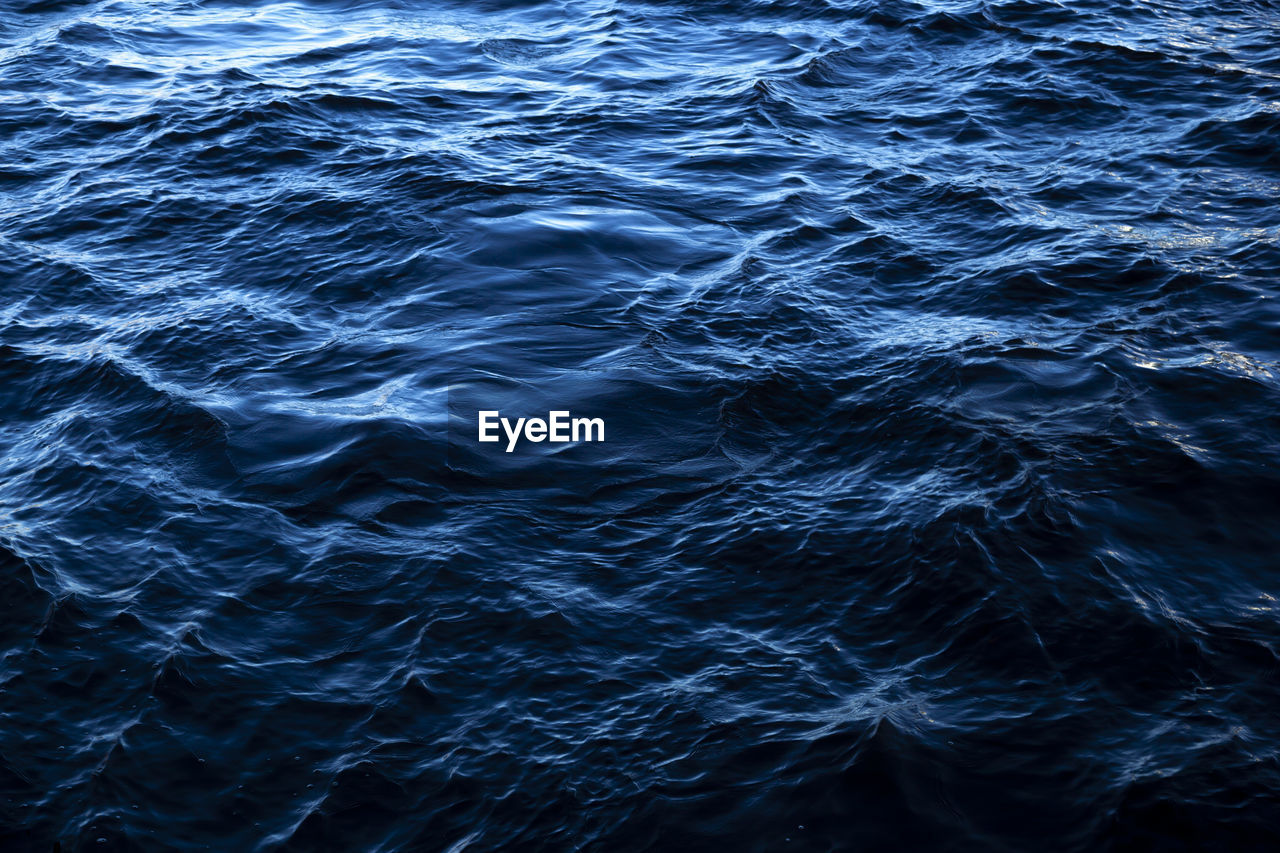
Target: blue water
<point>938,345</point>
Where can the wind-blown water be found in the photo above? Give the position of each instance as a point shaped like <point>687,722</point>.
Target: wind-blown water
<point>938,347</point>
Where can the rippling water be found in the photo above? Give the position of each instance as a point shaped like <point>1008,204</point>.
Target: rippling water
<point>937,343</point>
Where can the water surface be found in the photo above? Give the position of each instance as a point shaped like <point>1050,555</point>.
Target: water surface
<point>937,343</point>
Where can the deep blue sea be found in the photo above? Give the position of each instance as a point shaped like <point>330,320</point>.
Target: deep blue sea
<point>937,346</point>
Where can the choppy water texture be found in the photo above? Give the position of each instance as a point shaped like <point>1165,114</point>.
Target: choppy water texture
<point>937,344</point>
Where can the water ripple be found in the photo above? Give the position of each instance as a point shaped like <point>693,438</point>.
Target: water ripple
<point>936,342</point>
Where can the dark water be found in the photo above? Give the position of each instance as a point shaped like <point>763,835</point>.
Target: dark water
<point>938,345</point>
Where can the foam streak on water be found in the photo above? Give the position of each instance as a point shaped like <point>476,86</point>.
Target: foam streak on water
<point>938,346</point>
